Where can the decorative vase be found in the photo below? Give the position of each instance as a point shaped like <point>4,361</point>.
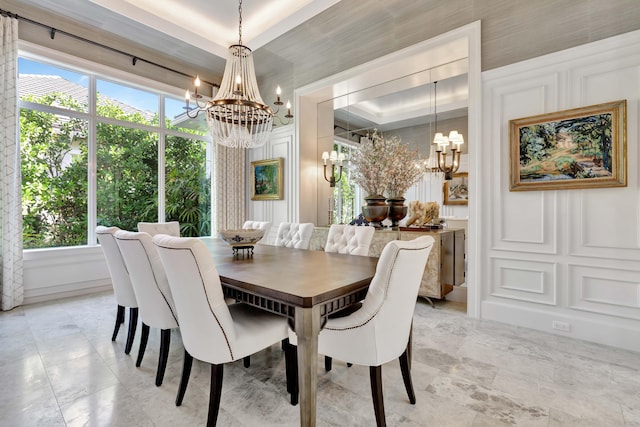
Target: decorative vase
<point>375,210</point>
<point>397,211</point>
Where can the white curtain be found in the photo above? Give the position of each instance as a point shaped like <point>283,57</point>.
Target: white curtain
<point>11,286</point>
<point>229,188</point>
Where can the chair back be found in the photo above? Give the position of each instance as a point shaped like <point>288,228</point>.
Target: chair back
<point>206,326</point>
<point>294,235</point>
<point>148,278</point>
<point>262,225</point>
<point>349,239</point>
<point>393,292</point>
<point>122,287</point>
<point>379,331</point>
<point>172,228</point>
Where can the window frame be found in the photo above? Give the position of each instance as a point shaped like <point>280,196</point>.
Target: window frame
<point>95,71</point>
<point>339,143</point>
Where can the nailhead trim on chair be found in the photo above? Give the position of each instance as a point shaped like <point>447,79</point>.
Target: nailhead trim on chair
<point>226,338</point>
<point>386,288</point>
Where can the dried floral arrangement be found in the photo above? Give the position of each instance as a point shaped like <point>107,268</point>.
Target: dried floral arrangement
<point>385,166</point>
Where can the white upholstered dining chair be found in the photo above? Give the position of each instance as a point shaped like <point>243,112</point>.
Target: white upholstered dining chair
<point>152,291</point>
<point>213,331</point>
<point>261,225</point>
<point>352,240</point>
<point>294,235</point>
<point>172,228</point>
<point>349,239</point>
<point>380,330</point>
<point>122,287</point>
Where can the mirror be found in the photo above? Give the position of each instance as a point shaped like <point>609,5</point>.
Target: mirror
<point>405,107</point>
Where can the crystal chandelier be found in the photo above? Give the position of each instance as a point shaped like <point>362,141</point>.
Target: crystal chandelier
<point>237,116</point>
<point>442,142</point>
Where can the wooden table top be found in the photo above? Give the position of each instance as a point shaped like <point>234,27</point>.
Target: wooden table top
<point>298,277</point>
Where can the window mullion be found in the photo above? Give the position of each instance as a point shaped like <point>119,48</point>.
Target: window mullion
<point>92,162</point>
<point>161,161</point>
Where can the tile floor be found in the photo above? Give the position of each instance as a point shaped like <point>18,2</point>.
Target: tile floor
<point>59,367</point>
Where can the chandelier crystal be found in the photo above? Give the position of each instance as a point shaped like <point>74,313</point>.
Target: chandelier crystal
<point>237,117</point>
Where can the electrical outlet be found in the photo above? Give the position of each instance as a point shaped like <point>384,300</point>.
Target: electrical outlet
<point>561,326</point>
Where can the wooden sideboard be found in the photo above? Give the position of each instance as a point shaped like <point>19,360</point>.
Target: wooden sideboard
<point>445,266</point>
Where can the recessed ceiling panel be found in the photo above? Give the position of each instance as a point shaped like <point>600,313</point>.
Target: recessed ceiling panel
<point>213,25</point>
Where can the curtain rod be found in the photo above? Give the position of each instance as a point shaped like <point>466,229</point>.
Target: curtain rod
<point>134,58</point>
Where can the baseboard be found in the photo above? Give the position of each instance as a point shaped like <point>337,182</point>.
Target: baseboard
<point>458,294</point>
<point>59,292</point>
<point>622,334</point>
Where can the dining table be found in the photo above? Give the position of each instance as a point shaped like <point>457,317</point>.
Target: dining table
<point>304,286</point>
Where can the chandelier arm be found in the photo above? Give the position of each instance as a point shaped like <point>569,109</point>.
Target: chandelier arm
<point>189,110</point>
<point>280,121</point>
<point>201,106</point>
<point>332,180</point>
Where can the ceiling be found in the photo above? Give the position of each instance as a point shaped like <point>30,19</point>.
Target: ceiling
<point>410,103</point>
<point>199,32</point>
<point>171,25</point>
<point>213,25</point>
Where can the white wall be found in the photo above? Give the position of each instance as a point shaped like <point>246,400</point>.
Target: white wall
<point>64,272</point>
<point>570,256</point>
<point>281,144</point>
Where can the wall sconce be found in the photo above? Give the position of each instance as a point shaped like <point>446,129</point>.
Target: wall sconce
<point>456,141</point>
<point>442,142</point>
<point>334,158</point>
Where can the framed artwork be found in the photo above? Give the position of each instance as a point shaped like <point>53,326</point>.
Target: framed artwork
<point>579,148</point>
<point>267,179</point>
<point>456,190</point>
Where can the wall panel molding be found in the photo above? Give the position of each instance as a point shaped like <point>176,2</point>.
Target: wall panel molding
<point>524,280</point>
<point>610,291</point>
<point>605,225</point>
<point>568,256</point>
<point>521,221</point>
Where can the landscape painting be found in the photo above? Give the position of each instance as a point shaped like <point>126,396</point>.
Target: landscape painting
<point>580,148</point>
<point>456,190</point>
<point>266,179</point>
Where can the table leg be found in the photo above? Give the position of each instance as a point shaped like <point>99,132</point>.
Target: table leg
<point>307,324</point>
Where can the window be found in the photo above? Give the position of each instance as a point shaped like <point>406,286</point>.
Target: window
<point>346,194</point>
<point>122,102</point>
<point>53,86</point>
<point>54,178</point>
<point>95,157</point>
<point>188,184</point>
<point>127,172</point>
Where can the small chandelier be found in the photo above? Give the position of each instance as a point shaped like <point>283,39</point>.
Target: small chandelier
<point>442,142</point>
<point>237,117</point>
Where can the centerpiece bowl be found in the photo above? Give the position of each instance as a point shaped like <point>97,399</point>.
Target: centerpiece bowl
<point>242,238</point>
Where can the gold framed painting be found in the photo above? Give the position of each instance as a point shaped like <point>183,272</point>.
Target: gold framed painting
<point>267,179</point>
<point>456,190</point>
<point>579,148</point>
